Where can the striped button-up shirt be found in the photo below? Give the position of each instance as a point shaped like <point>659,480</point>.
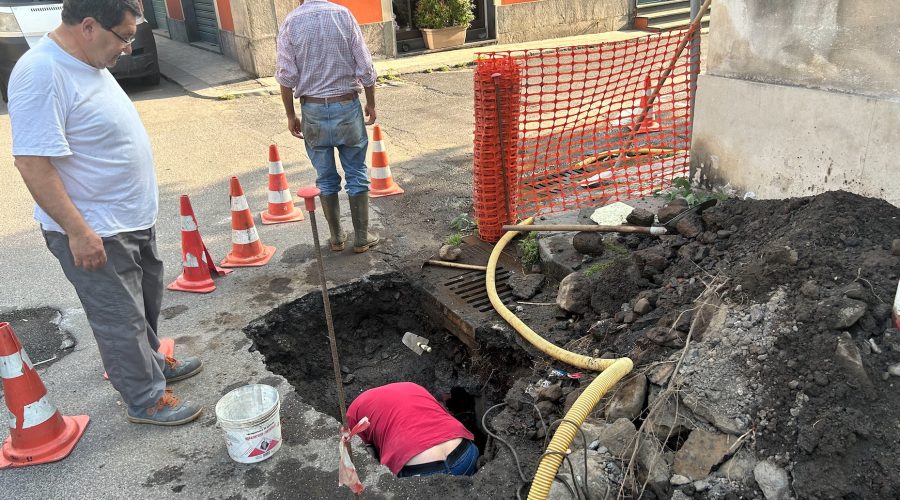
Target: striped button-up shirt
<point>322,53</point>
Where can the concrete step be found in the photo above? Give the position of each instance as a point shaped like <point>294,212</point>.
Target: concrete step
<point>667,23</point>
<point>658,6</point>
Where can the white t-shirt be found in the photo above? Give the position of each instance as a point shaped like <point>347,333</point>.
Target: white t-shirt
<point>65,109</point>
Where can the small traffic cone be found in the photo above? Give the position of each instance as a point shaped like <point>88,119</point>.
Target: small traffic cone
<point>166,348</point>
<point>246,249</point>
<point>281,206</point>
<point>649,124</point>
<point>382,182</point>
<point>38,434</point>
<point>197,264</point>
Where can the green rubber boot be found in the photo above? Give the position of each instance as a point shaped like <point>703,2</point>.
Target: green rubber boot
<point>331,208</point>
<point>359,213</point>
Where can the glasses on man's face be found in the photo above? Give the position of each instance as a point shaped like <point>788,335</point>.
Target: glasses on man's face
<point>126,41</point>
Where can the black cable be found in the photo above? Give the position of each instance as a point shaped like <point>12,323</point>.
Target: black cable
<point>583,441</point>
<point>573,491</point>
<point>498,438</point>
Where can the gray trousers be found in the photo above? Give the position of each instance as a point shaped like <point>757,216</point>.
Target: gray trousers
<point>122,302</point>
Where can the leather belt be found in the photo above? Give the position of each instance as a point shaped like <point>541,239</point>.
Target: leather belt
<point>327,100</point>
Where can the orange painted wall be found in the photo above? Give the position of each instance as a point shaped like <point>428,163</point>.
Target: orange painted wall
<point>174,8</point>
<point>226,21</point>
<point>365,11</point>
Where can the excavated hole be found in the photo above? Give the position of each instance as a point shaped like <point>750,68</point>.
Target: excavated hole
<point>370,317</point>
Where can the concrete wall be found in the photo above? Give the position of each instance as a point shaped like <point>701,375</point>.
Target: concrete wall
<point>801,98</point>
<point>538,20</point>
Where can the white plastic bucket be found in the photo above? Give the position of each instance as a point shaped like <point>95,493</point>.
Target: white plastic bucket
<point>250,417</point>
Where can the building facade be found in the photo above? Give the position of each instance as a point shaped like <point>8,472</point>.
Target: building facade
<point>245,30</point>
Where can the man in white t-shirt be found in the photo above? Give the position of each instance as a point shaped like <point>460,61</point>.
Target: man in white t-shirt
<point>84,154</point>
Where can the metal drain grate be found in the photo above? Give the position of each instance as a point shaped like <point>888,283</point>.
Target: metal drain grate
<point>470,288</point>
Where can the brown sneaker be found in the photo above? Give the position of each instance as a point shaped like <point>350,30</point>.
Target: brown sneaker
<point>167,411</point>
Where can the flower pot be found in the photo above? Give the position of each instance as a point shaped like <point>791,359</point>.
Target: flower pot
<point>444,37</point>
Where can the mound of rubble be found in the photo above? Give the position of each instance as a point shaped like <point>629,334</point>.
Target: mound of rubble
<point>767,363</point>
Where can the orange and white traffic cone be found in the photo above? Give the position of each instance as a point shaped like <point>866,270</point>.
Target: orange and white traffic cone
<point>649,124</point>
<point>281,206</point>
<point>382,182</point>
<point>197,264</point>
<point>246,249</point>
<point>166,348</point>
<point>38,434</point>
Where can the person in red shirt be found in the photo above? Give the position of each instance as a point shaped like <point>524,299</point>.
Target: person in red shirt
<point>412,433</point>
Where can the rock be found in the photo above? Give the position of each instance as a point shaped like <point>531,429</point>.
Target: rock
<point>653,469</point>
<point>701,452</point>
<point>848,357</point>
<point>691,226</point>
<point>848,312</point>
<point>603,328</point>
<point>895,247</point>
<point>598,482</point>
<point>570,399</point>
<point>680,495</point>
<point>628,399</point>
<point>526,286</point>
<point>855,291</point>
<point>660,373</point>
<point>715,414</point>
<point>618,437</point>
<point>775,254</point>
<point>591,428</point>
<point>894,369</point>
<point>546,408</point>
<point>449,252</point>
<point>810,290</point>
<point>739,467</point>
<point>670,419</point>
<point>772,480</point>
<point>349,379</point>
<point>552,393</point>
<point>666,337</point>
<point>678,480</point>
<point>651,260</point>
<point>671,209</point>
<point>642,306</point>
<point>574,293</point>
<point>700,486</point>
<point>589,243</point>
<point>640,217</point>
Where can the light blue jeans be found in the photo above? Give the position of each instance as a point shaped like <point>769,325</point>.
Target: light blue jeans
<point>337,125</point>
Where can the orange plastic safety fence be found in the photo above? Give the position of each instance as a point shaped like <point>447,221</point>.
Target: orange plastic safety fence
<point>554,128</point>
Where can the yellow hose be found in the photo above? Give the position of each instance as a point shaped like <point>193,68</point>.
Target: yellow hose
<point>612,371</point>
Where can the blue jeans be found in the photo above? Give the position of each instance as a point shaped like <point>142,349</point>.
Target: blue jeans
<point>337,125</point>
<point>461,463</point>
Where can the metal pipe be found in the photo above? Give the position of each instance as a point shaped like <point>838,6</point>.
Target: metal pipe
<point>586,228</point>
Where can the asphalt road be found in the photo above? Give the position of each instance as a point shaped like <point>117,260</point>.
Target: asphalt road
<point>199,144</point>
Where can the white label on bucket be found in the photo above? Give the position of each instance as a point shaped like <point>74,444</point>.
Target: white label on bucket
<point>253,444</point>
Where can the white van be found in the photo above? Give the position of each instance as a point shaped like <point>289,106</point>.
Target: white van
<point>23,23</point>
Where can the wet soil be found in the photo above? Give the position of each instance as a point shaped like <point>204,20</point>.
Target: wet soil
<point>805,262</point>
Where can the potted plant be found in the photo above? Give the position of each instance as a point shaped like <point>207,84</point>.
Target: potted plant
<point>444,22</point>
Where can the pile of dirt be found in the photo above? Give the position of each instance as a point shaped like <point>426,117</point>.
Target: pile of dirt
<point>777,315</point>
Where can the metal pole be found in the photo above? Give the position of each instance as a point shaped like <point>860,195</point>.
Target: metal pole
<point>309,196</point>
<point>503,165</point>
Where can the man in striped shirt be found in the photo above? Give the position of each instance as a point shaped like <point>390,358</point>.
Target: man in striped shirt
<point>323,61</point>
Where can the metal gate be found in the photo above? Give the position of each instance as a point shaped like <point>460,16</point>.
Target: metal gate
<point>159,13</point>
<point>207,28</point>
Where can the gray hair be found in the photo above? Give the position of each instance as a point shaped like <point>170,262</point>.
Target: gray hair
<point>108,13</point>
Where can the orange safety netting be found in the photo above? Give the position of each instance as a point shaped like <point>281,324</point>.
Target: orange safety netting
<point>559,124</point>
